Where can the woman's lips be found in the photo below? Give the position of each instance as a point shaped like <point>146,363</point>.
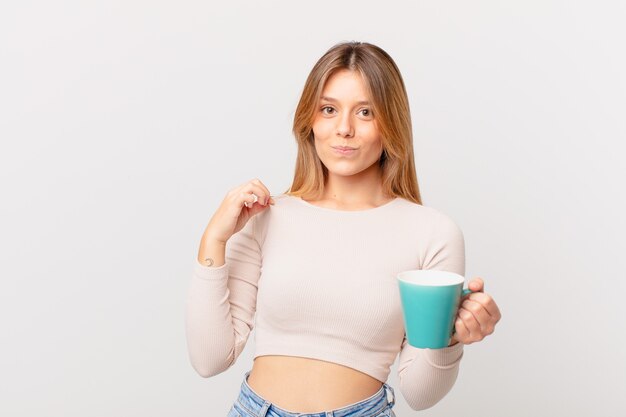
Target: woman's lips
<point>344,150</point>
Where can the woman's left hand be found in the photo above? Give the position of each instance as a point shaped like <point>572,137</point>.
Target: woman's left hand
<point>477,316</point>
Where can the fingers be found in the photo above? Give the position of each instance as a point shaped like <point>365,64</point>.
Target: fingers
<point>472,327</point>
<point>477,320</point>
<point>477,285</point>
<point>487,303</point>
<point>249,198</point>
<point>265,191</point>
<point>477,309</point>
<point>253,191</point>
<point>477,315</point>
<point>461,333</point>
<point>453,338</point>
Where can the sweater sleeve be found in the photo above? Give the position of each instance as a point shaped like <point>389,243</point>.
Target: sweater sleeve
<point>221,304</point>
<point>427,375</point>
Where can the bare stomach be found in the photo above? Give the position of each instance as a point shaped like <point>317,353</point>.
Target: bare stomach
<point>307,385</point>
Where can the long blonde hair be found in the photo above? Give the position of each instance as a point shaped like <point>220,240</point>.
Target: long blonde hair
<point>391,109</point>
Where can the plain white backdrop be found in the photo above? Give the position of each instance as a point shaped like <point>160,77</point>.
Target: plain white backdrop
<point>124,123</point>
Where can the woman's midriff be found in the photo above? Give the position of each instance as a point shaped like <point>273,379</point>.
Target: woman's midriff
<point>308,385</point>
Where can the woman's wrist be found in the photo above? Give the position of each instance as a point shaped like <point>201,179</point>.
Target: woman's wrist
<point>212,253</point>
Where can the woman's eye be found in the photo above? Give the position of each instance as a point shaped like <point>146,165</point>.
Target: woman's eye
<point>366,112</point>
<point>327,110</point>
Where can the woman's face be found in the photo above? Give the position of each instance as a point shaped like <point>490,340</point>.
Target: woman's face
<point>344,118</point>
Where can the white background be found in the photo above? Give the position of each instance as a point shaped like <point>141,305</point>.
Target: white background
<point>124,123</point>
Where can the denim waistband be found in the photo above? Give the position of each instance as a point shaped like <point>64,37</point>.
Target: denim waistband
<point>257,406</point>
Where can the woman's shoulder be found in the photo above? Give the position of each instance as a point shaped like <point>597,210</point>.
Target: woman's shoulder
<point>282,198</point>
<point>421,209</point>
<point>428,217</point>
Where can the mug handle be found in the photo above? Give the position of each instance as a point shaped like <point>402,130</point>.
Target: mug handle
<point>466,291</point>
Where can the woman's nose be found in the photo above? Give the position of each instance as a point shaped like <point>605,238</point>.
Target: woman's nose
<point>345,127</point>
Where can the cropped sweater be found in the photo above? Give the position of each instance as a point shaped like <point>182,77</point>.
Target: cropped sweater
<point>321,283</point>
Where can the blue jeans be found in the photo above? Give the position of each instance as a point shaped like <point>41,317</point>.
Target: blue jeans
<point>250,404</point>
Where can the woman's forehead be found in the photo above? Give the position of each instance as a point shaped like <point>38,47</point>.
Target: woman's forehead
<point>345,84</point>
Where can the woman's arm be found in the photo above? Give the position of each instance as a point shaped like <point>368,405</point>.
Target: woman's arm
<point>427,375</point>
<point>221,302</point>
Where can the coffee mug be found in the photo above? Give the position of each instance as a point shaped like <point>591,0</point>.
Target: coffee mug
<point>430,302</point>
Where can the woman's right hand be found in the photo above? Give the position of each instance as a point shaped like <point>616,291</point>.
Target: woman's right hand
<point>232,215</point>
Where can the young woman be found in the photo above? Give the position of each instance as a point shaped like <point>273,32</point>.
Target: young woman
<point>314,270</point>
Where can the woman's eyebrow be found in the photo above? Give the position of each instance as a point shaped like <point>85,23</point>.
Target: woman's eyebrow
<point>333,100</point>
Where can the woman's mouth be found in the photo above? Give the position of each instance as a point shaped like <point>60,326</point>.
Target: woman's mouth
<point>344,150</point>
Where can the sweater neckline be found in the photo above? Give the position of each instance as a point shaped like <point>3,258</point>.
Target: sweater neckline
<point>369,210</point>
